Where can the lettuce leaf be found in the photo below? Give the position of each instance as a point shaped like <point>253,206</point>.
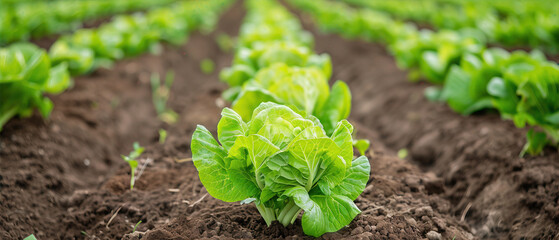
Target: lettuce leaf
<point>26,75</point>
<point>284,163</point>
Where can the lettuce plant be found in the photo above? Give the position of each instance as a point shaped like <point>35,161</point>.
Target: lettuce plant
<point>132,161</point>
<point>160,94</point>
<point>26,75</point>
<point>522,86</point>
<point>284,163</point>
<point>249,61</point>
<point>539,106</point>
<point>129,35</point>
<point>303,88</point>
<point>362,145</point>
<point>20,20</point>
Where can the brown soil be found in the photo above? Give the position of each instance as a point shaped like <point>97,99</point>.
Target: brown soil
<point>499,194</point>
<point>64,179</point>
<point>57,177</point>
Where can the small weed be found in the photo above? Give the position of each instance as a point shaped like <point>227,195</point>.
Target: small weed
<point>207,66</point>
<point>115,102</point>
<point>362,145</point>
<point>162,136</point>
<point>225,42</point>
<point>131,160</point>
<point>160,95</point>
<point>133,230</point>
<point>402,153</point>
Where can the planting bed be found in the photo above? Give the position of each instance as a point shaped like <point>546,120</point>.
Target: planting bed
<point>499,194</point>
<point>64,178</point>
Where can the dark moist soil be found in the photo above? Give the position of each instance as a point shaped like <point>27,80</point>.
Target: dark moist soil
<point>499,194</point>
<point>64,178</point>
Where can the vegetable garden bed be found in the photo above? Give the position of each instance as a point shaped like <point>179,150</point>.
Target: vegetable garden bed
<point>500,194</point>
<point>63,178</point>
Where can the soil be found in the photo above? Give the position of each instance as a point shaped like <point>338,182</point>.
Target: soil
<point>499,194</point>
<point>57,177</point>
<point>64,178</point>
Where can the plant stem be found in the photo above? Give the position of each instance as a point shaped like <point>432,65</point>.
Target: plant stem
<point>132,179</point>
<point>286,216</point>
<point>289,213</point>
<point>267,213</point>
<point>285,210</point>
<point>295,215</point>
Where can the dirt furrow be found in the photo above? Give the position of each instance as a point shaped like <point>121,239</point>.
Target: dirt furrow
<point>50,170</point>
<point>499,194</point>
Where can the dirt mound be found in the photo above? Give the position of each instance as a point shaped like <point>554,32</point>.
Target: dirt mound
<point>498,193</point>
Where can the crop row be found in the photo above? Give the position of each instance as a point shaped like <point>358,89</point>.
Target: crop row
<point>523,87</point>
<point>23,20</point>
<point>285,144</point>
<point>516,23</point>
<point>27,72</point>
<point>130,35</point>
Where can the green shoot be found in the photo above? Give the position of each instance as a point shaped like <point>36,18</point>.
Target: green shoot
<point>162,136</point>
<point>362,145</point>
<point>84,233</point>
<point>137,224</point>
<point>402,153</point>
<point>131,160</point>
<point>536,141</point>
<point>30,237</point>
<point>160,95</point>
<point>225,42</point>
<point>207,66</point>
<point>115,102</point>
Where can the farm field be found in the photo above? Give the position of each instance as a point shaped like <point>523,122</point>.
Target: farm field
<point>430,172</point>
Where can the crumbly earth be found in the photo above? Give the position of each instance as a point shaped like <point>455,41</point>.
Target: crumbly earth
<point>64,179</point>
<point>499,194</point>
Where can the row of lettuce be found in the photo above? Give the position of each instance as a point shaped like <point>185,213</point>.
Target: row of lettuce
<point>470,77</point>
<point>285,144</point>
<point>511,23</point>
<point>28,72</point>
<point>23,20</point>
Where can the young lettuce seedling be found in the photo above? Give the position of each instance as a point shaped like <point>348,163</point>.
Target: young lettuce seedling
<point>225,42</point>
<point>283,163</point>
<point>402,153</point>
<point>207,66</point>
<point>160,95</point>
<point>131,160</point>
<point>362,145</point>
<point>136,226</point>
<point>162,136</point>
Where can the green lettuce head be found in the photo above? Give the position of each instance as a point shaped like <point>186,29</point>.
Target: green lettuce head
<point>284,163</point>
<point>302,88</point>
